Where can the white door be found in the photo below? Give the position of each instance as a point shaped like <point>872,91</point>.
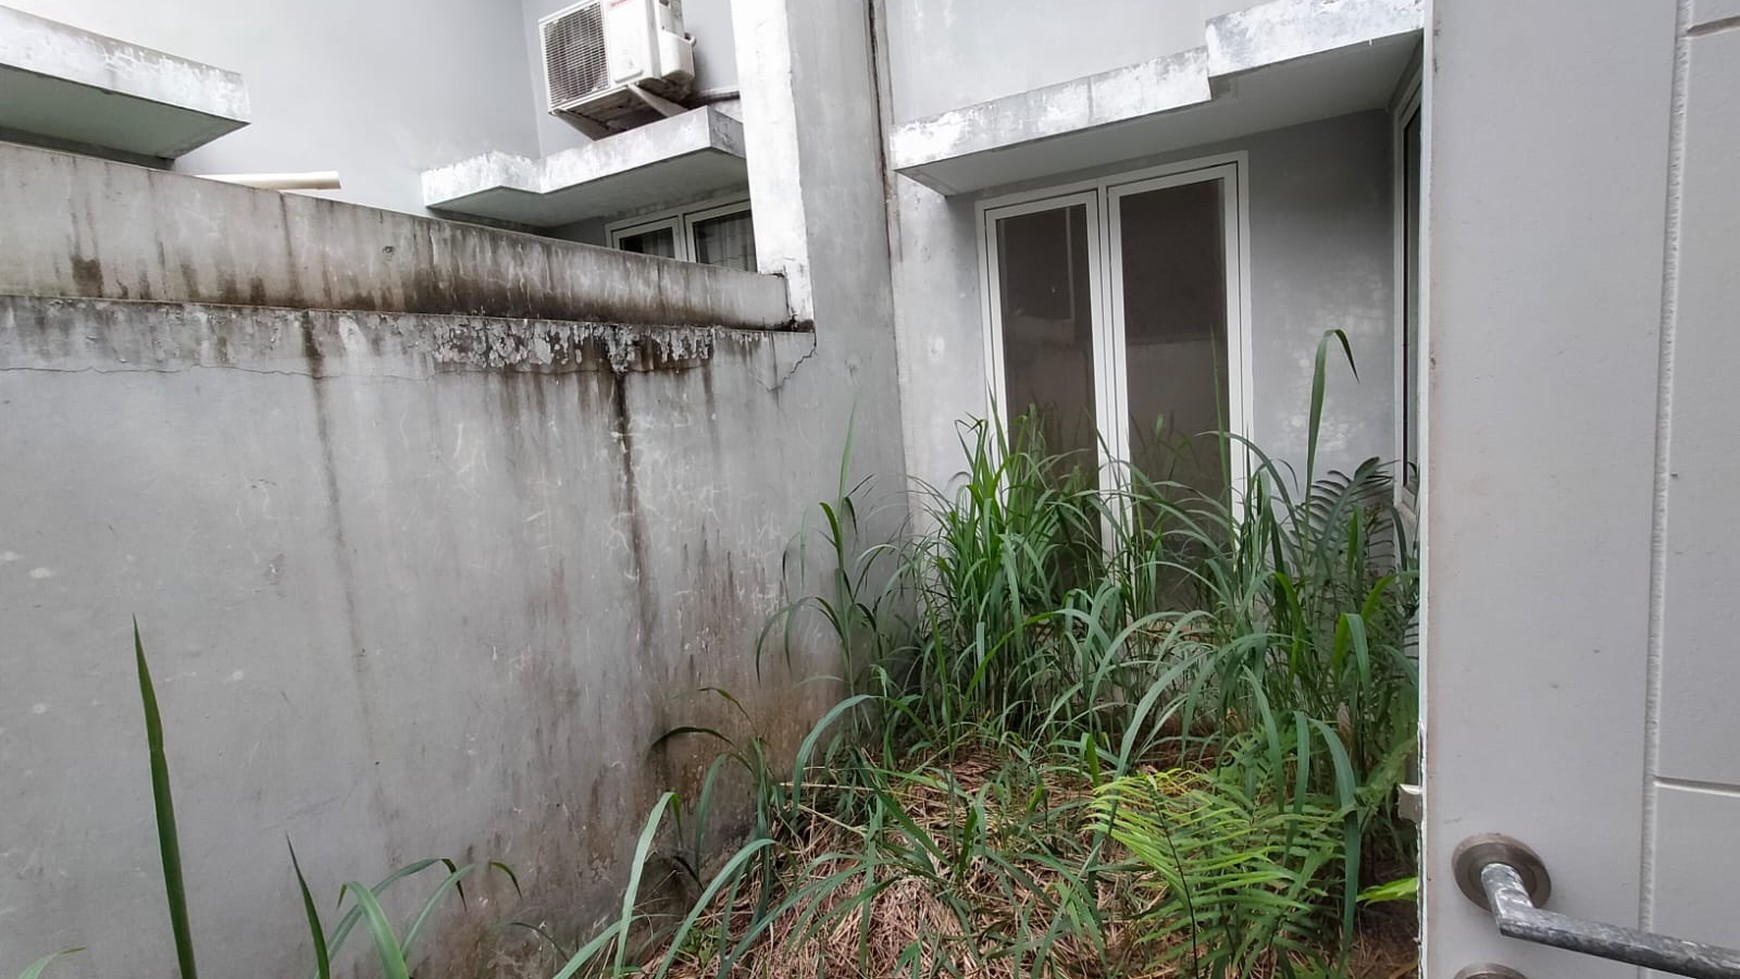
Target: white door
<point>1582,538</point>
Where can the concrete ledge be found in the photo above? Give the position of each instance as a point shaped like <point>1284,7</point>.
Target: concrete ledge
<point>121,337</point>
<point>70,85</point>
<point>1121,94</point>
<point>689,155</point>
<point>1282,30</point>
<point>1277,64</point>
<point>82,227</point>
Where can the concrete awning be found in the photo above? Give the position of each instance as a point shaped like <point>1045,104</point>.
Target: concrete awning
<point>1276,64</point>
<point>64,86</point>
<point>685,156</point>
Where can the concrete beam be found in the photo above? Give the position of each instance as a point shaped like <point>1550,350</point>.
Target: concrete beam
<point>73,86</point>
<point>1119,95</point>
<point>685,156</point>
<point>82,227</point>
<point>1277,64</point>
<point>1282,30</point>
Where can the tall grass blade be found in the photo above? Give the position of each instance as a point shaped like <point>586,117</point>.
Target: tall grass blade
<point>642,848</point>
<point>168,843</point>
<point>387,946</point>
<point>34,969</point>
<point>434,900</point>
<point>316,933</point>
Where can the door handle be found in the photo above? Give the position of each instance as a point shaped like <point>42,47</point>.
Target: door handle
<point>1506,877</point>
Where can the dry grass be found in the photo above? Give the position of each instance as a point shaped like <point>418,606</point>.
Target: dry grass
<point>974,918</point>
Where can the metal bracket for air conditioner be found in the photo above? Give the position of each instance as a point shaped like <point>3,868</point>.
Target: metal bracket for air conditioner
<point>593,129</point>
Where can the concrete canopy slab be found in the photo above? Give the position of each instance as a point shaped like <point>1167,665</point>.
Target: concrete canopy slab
<point>1274,65</point>
<point>685,156</point>
<point>69,86</point>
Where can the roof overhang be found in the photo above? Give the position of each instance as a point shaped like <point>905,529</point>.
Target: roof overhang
<point>1273,65</point>
<point>686,156</point>
<point>64,86</point>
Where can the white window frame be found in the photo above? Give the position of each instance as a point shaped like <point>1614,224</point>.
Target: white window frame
<point>1105,259</point>
<point>680,221</point>
<point>672,224</point>
<point>692,218</point>
<point>1408,106</point>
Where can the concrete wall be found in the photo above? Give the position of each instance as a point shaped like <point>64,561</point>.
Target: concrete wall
<point>1321,254</point>
<point>427,539</point>
<point>946,54</point>
<point>378,91</point>
<point>715,62</point>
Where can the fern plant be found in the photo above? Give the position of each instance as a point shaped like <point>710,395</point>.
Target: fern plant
<point>1238,878</point>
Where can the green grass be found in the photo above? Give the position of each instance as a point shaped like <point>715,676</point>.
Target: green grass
<point>1087,733</point>
<point>1084,731</point>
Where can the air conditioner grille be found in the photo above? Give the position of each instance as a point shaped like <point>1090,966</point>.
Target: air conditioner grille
<point>574,55</point>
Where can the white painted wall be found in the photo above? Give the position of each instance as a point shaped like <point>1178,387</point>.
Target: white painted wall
<point>945,54</point>
<point>378,91</point>
<point>1320,258</point>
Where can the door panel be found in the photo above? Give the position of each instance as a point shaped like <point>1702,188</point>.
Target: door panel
<point>1579,633</point>
<point>1173,294</point>
<point>1045,324</point>
<point>1693,871</point>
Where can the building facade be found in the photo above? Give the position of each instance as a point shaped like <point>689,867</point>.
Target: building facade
<point>1137,219</point>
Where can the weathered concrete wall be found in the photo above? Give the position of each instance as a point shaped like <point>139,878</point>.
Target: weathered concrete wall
<point>415,581</point>
<point>290,250</point>
<point>946,54</point>
<point>1321,247</point>
<point>378,91</point>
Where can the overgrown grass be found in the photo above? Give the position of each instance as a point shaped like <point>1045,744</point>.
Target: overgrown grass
<point>1085,731</point>
<point>1090,731</point>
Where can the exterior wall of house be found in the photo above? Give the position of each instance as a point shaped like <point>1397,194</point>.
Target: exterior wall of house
<point>1321,258</point>
<point>709,21</point>
<point>431,530</point>
<point>378,91</point>
<point>946,54</point>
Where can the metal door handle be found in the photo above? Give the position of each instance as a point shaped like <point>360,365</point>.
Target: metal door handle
<point>1506,877</point>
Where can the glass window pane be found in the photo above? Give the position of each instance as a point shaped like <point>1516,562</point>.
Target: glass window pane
<point>1175,322</point>
<point>1046,304</point>
<point>659,241</point>
<point>727,240</point>
<point>1410,406</point>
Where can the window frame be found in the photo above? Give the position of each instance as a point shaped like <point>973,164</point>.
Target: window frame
<point>680,220</point>
<point>692,218</point>
<point>1408,106</point>
<point>673,225</point>
<point>1111,396</point>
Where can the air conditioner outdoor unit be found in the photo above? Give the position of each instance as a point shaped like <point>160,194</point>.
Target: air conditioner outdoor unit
<point>604,59</point>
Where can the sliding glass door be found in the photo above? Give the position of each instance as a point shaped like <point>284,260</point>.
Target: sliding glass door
<point>1115,320</point>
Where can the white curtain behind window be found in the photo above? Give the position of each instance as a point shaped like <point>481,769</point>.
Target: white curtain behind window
<point>727,240</point>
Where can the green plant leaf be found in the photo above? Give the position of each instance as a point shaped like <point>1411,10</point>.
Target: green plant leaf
<point>1400,889</point>
<point>316,933</point>
<point>163,803</point>
<point>387,946</point>
<point>34,969</point>
<point>642,847</point>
